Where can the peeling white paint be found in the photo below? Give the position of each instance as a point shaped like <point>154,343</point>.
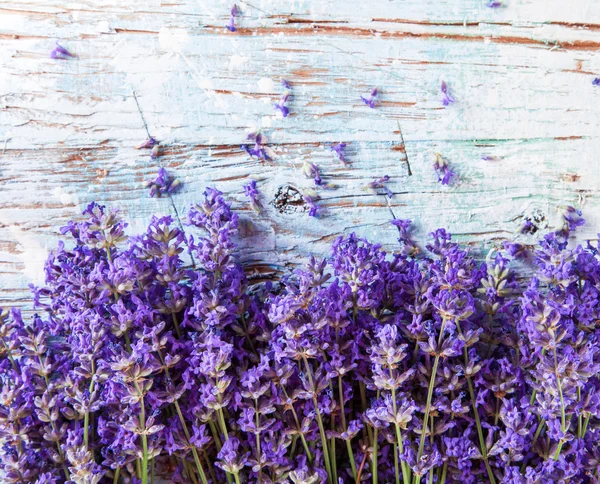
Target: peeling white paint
<point>173,39</point>
<point>266,84</point>
<point>31,254</point>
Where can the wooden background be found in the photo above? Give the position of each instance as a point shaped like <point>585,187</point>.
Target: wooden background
<point>521,75</point>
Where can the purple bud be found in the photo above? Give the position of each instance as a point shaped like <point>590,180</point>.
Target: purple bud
<point>59,52</point>
<point>446,96</point>
<point>372,99</point>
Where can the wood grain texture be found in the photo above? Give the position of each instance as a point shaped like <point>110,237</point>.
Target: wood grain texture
<point>521,76</point>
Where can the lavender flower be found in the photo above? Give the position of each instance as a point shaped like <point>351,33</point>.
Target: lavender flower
<point>379,183</point>
<point>280,106</point>
<point>251,192</point>
<point>258,150</point>
<point>59,52</point>
<point>365,365</point>
<point>445,174</point>
<point>372,99</point>
<point>235,12</point>
<point>309,198</point>
<point>446,96</point>
<point>340,150</point>
<point>162,184</point>
<point>149,143</point>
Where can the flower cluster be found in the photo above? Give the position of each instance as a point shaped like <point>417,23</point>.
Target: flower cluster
<point>414,366</point>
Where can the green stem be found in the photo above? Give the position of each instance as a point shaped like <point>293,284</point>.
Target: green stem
<point>258,460</point>
<point>304,443</point>
<point>144,440</point>
<point>405,468</point>
<point>86,417</point>
<point>374,456</point>
<point>343,414</point>
<point>444,472</point>
<point>319,422</point>
<point>563,418</point>
<point>482,445</point>
<point>116,477</point>
<point>396,469</point>
<point>585,426</point>
<point>436,361</point>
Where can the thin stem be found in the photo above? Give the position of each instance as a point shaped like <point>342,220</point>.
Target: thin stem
<point>86,417</point>
<point>482,445</point>
<point>374,456</point>
<point>304,443</point>
<point>428,406</point>
<point>343,414</point>
<point>116,477</point>
<point>563,418</point>
<point>319,422</point>
<point>405,468</point>
<point>257,422</point>
<point>396,470</point>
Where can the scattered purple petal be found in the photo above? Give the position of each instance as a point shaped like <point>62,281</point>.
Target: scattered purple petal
<point>309,199</point>
<point>490,157</point>
<point>149,143</point>
<point>516,250</point>
<point>285,83</point>
<point>59,52</point>
<point>445,174</point>
<point>252,193</point>
<point>596,81</point>
<point>235,12</point>
<point>446,96</point>
<point>162,184</point>
<point>372,99</point>
<point>340,151</point>
<point>380,183</point>
<point>571,219</point>
<point>495,3</point>
<point>281,107</point>
<point>258,150</point>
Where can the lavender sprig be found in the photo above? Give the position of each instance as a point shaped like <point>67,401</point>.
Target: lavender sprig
<point>371,101</point>
<point>235,12</point>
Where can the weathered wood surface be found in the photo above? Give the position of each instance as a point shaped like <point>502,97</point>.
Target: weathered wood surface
<point>521,75</point>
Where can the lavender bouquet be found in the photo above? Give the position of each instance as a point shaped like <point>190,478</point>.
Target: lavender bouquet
<point>416,366</point>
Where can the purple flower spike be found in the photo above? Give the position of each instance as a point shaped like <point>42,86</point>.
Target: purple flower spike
<point>380,183</point>
<point>596,81</point>
<point>235,12</point>
<point>446,96</point>
<point>340,149</point>
<point>281,107</point>
<point>251,192</point>
<point>162,184</point>
<point>371,100</point>
<point>445,174</point>
<point>59,52</point>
